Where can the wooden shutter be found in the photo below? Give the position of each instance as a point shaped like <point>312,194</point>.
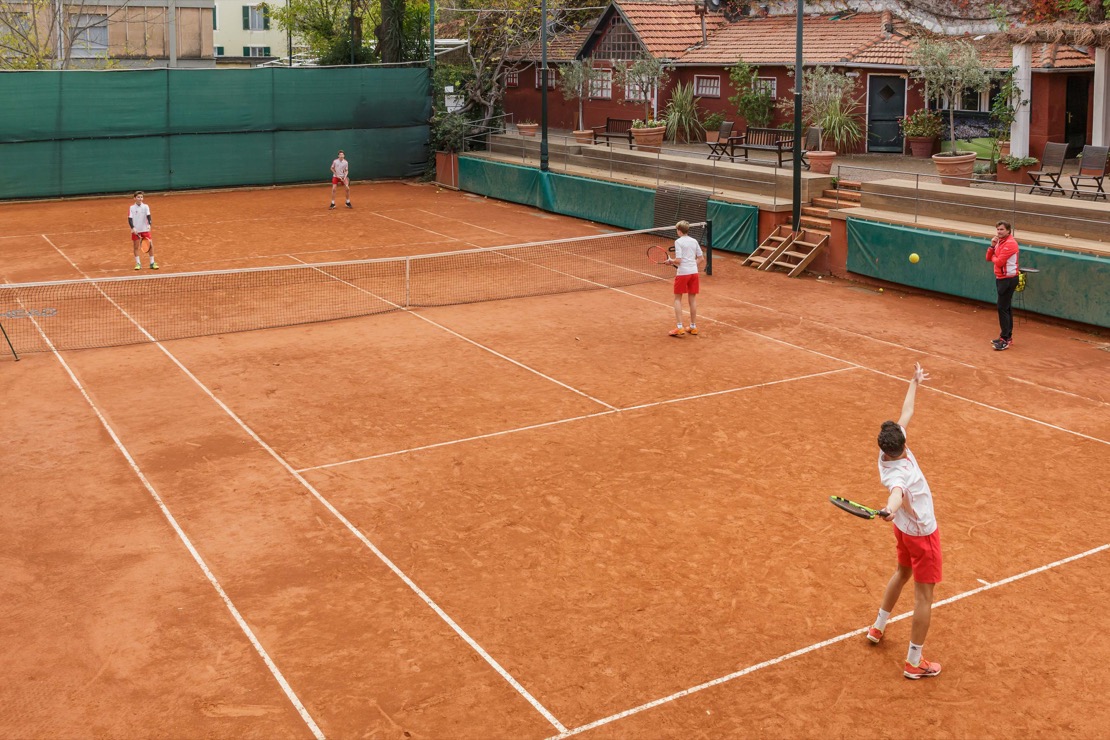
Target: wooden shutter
<point>246,17</point>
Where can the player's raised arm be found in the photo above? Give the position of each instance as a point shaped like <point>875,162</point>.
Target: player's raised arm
<point>919,376</point>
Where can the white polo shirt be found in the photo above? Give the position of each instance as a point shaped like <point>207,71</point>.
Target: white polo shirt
<point>140,217</point>
<point>339,167</point>
<point>915,517</point>
<point>687,249</point>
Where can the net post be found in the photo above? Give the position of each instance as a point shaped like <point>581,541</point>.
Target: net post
<point>9,341</point>
<point>408,269</point>
<point>708,247</point>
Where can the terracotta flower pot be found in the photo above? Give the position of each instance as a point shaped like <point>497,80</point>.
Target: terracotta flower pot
<point>820,163</point>
<point>955,170</point>
<point>527,129</point>
<point>1019,176</point>
<point>649,139</point>
<point>584,136</point>
<point>921,146</point>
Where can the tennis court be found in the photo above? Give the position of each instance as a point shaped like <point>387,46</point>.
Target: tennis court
<point>534,516</point>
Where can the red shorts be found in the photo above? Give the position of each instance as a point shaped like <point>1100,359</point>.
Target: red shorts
<point>337,181</point>
<point>687,284</point>
<point>140,235</point>
<point>921,554</point>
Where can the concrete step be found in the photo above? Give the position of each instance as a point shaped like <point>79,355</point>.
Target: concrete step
<point>816,211</point>
<point>849,185</point>
<point>850,196</point>
<point>833,203</point>
<point>816,224</point>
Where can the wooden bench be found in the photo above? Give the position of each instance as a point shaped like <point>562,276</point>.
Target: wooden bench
<point>615,128</point>
<point>778,140</point>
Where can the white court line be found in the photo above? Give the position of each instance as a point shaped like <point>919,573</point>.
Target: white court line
<point>339,516</point>
<point>568,420</point>
<point>985,583</point>
<point>459,220</point>
<point>236,615</point>
<point>815,646</point>
<point>460,336</point>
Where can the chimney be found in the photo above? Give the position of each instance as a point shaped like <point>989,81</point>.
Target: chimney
<point>888,23</point>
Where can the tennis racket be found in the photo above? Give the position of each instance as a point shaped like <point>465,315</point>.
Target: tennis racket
<point>657,255</point>
<point>144,245</point>
<point>864,512</point>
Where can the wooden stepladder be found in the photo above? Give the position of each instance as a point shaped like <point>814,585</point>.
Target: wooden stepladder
<point>799,252</point>
<point>768,251</point>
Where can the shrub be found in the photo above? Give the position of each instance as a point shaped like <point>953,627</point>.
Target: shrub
<point>923,123</point>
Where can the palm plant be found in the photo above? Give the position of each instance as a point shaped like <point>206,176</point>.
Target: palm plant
<point>682,114</point>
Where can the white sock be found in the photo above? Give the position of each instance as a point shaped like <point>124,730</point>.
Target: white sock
<point>152,260</point>
<point>880,621</point>
<point>137,261</point>
<point>680,326</point>
<point>913,657</point>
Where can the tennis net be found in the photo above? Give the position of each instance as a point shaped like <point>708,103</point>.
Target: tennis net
<point>107,312</point>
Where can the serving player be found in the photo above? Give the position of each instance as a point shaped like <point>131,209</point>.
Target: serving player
<point>138,218</point>
<point>689,258</point>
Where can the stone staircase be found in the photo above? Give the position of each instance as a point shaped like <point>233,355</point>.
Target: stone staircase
<point>846,194</point>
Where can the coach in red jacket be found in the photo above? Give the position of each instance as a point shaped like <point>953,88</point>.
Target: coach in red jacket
<point>1003,252</point>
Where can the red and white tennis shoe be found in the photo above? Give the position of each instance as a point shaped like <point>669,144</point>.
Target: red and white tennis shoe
<point>924,669</point>
<point>874,634</point>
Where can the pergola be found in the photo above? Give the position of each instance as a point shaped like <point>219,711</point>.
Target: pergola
<point>1095,35</point>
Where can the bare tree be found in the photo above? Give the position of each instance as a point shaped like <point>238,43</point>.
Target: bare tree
<point>51,34</point>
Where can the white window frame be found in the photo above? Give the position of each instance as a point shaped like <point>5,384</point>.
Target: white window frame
<point>550,77</point>
<point>86,30</point>
<point>256,51</point>
<point>770,84</point>
<point>635,94</point>
<point>258,19</point>
<point>512,78</point>
<point>712,84</point>
<point>601,86</point>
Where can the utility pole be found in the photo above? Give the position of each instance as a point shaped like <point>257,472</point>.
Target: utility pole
<point>543,86</point>
<point>796,214</point>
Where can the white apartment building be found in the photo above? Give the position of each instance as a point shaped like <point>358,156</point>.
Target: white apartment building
<point>244,33</point>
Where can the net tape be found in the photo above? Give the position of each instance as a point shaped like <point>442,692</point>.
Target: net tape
<point>107,312</point>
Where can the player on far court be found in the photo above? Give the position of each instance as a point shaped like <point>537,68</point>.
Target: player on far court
<point>138,218</point>
<point>339,174</point>
<point>1003,252</point>
<point>910,508</point>
<point>689,258</point>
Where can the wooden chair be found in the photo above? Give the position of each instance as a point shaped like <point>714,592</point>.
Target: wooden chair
<point>811,143</point>
<point>717,149</point>
<point>1047,178</point>
<point>1092,172</point>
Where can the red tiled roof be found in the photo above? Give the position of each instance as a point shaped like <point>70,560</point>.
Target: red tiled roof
<point>826,40</point>
<point>668,29</point>
<point>996,51</point>
<point>561,48</point>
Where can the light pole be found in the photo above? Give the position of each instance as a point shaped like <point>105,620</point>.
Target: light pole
<point>796,214</point>
<point>543,86</point>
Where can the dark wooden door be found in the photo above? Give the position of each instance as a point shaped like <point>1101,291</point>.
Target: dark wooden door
<point>1075,115</point>
<point>886,103</point>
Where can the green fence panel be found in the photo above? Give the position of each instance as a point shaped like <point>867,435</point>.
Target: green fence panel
<point>735,226</point>
<point>373,153</point>
<point>221,100</point>
<point>1069,285</point>
<point>346,98</point>
<point>30,106</point>
<point>31,169</point>
<point>612,203</point>
<point>215,160</point>
<point>113,103</point>
<point>499,180</point>
<point>115,165</point>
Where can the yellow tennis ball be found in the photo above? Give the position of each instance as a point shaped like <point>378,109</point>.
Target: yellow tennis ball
<point>914,258</point>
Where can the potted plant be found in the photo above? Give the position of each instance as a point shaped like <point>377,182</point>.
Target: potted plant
<point>527,127</point>
<point>921,129</point>
<point>753,101</point>
<point>829,103</point>
<point>648,134</point>
<point>681,115</point>
<point>949,69</point>
<point>575,79</point>
<point>1014,169</point>
<point>711,124</point>
<point>641,78</point>
<point>448,136</point>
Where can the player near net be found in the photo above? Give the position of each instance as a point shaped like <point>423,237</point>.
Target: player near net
<point>340,175</point>
<point>910,508</point>
<point>139,219</point>
<point>688,258</point>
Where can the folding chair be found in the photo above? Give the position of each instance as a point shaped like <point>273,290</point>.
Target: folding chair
<point>811,143</point>
<point>1092,171</point>
<point>1047,178</point>
<point>718,148</point>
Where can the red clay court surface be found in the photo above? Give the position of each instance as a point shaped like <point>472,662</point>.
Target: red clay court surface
<point>533,517</point>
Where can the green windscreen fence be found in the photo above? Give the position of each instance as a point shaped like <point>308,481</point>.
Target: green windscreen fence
<point>1068,285</point>
<point>77,132</point>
